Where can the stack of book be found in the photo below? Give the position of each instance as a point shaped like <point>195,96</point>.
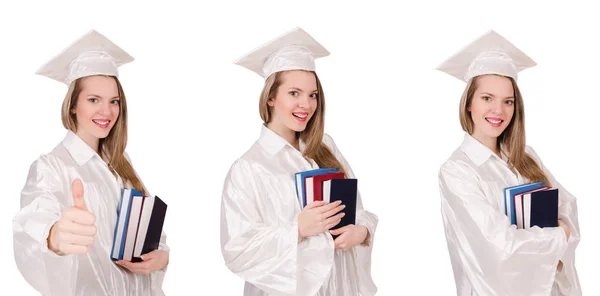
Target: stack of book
<point>532,204</point>
<point>139,225</point>
<point>328,185</point>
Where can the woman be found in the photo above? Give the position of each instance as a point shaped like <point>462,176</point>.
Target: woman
<point>489,255</point>
<point>267,239</point>
<point>63,234</point>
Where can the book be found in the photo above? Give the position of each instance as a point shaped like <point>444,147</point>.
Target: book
<point>537,206</point>
<point>122,222</point>
<point>300,179</point>
<point>143,229</point>
<point>345,190</point>
<point>149,233</point>
<point>318,184</point>
<point>519,207</point>
<point>509,192</point>
<point>140,221</point>
<point>310,194</point>
<point>132,228</point>
<point>328,185</point>
<point>540,208</point>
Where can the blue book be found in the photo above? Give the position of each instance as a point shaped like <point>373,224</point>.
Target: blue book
<point>509,202</point>
<point>122,222</point>
<point>300,176</point>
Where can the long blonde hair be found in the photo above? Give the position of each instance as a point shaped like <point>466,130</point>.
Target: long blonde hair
<point>315,129</point>
<point>513,137</point>
<point>111,148</point>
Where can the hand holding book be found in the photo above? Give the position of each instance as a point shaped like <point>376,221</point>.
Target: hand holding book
<point>318,217</point>
<point>565,228</point>
<point>349,236</point>
<point>326,186</point>
<point>568,235</point>
<point>152,261</point>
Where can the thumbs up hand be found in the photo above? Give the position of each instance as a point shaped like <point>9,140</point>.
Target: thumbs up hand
<point>75,230</point>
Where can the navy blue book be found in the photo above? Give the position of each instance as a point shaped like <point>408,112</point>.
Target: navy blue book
<point>345,190</point>
<point>544,208</point>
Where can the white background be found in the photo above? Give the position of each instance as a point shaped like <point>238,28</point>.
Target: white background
<point>395,118</point>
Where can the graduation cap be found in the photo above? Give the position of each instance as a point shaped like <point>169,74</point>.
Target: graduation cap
<point>489,54</point>
<point>91,54</point>
<point>294,50</point>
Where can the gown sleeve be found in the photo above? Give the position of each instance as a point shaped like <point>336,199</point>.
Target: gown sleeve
<point>157,277</point>
<point>363,218</point>
<point>47,272</point>
<point>268,255</point>
<point>567,278</point>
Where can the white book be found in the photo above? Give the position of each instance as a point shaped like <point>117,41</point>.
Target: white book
<point>310,190</point>
<point>118,237</point>
<point>143,229</point>
<point>527,211</point>
<point>508,212</point>
<point>519,210</point>
<point>527,207</point>
<point>298,186</point>
<point>132,229</point>
<point>326,191</point>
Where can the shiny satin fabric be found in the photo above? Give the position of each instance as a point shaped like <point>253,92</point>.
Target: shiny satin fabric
<point>259,228</point>
<point>489,255</point>
<point>46,192</point>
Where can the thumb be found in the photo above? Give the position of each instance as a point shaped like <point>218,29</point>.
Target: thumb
<point>148,256</point>
<point>77,192</point>
<point>340,230</point>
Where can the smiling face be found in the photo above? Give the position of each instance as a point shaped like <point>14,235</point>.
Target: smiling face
<point>97,108</point>
<point>491,107</point>
<point>294,104</point>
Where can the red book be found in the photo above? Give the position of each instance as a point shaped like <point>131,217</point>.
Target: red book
<point>318,183</point>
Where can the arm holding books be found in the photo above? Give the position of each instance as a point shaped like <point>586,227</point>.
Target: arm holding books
<point>154,262</point>
<point>359,238</point>
<point>264,253</point>
<point>363,217</point>
<point>482,237</point>
<point>350,236</point>
<point>566,278</point>
<point>162,254</point>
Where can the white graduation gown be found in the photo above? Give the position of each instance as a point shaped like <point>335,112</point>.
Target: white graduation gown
<point>259,228</point>
<point>47,191</point>
<point>489,255</point>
